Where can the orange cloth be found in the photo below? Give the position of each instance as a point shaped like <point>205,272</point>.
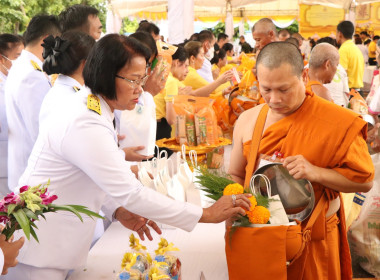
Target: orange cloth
<point>312,83</point>
<point>332,137</point>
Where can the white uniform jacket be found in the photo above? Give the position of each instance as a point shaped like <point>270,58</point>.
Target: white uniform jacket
<point>66,87</point>
<point>76,149</point>
<point>25,89</point>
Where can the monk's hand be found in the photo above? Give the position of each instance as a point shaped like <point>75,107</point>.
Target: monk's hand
<point>300,168</point>
<point>226,207</point>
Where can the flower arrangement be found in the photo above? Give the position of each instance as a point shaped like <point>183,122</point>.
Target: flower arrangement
<point>20,211</point>
<point>216,186</point>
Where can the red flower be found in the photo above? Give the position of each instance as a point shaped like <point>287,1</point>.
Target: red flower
<point>11,198</point>
<point>24,188</point>
<point>48,199</point>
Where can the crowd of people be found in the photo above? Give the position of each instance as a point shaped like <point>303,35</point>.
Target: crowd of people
<point>64,88</point>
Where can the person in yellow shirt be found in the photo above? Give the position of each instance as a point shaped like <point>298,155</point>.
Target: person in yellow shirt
<point>218,62</point>
<point>165,113</point>
<point>372,50</point>
<point>351,58</point>
<point>229,49</point>
<point>199,85</point>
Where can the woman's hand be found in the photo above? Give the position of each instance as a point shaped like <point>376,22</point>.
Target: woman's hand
<point>185,90</point>
<point>136,223</point>
<point>226,207</point>
<point>131,154</point>
<point>225,77</point>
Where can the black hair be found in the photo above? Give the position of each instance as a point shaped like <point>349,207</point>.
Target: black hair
<point>107,57</point>
<point>64,54</point>
<point>40,26</point>
<point>76,17</point>
<point>329,40</point>
<point>222,36</point>
<point>364,33</point>
<point>228,47</point>
<point>194,37</point>
<point>346,28</point>
<point>180,54</point>
<point>193,48</point>
<point>148,27</point>
<point>358,41</point>
<point>275,54</point>
<point>205,35</point>
<point>8,41</point>
<point>376,37</point>
<point>313,43</point>
<point>221,54</point>
<point>146,39</point>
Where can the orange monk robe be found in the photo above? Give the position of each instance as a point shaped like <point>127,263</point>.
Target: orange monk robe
<point>328,136</point>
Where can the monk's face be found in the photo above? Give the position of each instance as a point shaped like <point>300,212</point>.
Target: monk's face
<point>281,89</point>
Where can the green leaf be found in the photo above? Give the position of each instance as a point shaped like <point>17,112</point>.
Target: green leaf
<point>23,221</point>
<point>11,208</point>
<point>84,210</point>
<point>66,208</point>
<point>33,233</point>
<point>30,214</point>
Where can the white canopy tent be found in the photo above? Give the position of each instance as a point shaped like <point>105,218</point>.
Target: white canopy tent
<point>181,14</point>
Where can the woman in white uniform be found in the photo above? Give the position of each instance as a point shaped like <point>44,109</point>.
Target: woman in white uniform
<point>76,149</point>
<point>10,49</point>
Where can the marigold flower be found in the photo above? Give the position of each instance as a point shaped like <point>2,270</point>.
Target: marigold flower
<point>233,189</point>
<point>253,203</point>
<point>259,215</point>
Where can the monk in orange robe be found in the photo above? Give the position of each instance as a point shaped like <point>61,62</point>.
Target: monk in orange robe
<point>320,142</point>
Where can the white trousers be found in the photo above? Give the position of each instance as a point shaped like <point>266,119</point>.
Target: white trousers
<point>27,272</point>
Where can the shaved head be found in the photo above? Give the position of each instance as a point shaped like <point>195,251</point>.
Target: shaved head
<point>275,54</point>
<point>321,53</point>
<point>264,32</point>
<point>264,25</point>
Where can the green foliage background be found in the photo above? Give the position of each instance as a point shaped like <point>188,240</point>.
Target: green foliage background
<point>16,14</point>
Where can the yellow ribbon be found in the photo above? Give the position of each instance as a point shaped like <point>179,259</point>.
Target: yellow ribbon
<point>128,261</point>
<point>134,243</point>
<point>164,247</point>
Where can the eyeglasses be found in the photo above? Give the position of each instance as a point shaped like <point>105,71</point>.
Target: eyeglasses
<point>135,83</point>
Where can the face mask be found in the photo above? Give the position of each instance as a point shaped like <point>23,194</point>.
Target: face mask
<point>210,53</point>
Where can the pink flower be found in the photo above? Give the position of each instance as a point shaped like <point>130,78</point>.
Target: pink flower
<point>2,207</point>
<point>48,199</point>
<point>4,219</point>
<point>11,198</point>
<point>24,188</point>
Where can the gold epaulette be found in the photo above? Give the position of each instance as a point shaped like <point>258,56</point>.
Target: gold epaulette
<point>93,103</point>
<point>76,88</point>
<point>53,78</point>
<point>35,66</point>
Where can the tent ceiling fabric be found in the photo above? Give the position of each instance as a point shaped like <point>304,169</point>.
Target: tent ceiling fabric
<point>130,7</point>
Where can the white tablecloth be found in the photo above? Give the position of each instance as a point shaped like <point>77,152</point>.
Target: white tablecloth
<point>200,250</point>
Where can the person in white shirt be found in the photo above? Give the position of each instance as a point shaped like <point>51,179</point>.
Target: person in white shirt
<point>81,18</point>
<point>207,40</point>
<point>10,49</point>
<point>77,149</point>
<point>25,89</point>
<point>338,87</point>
